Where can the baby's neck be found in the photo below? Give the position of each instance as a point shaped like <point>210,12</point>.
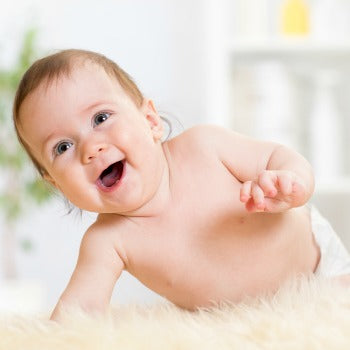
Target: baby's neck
<point>159,203</point>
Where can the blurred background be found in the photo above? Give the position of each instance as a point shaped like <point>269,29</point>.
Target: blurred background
<point>273,69</point>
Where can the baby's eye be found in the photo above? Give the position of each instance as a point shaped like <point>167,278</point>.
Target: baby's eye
<point>100,118</point>
<point>62,147</point>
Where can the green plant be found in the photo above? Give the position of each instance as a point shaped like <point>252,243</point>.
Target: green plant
<point>20,186</point>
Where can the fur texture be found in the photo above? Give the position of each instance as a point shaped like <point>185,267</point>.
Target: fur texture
<point>304,314</point>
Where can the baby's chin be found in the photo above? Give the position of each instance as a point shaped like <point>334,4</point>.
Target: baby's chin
<point>104,209</point>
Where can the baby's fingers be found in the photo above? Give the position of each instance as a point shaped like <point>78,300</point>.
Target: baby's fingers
<point>285,184</point>
<point>253,195</point>
<point>246,190</point>
<point>258,196</point>
<point>266,182</point>
<point>299,193</point>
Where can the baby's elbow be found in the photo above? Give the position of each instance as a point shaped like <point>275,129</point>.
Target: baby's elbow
<point>64,310</point>
<point>58,312</point>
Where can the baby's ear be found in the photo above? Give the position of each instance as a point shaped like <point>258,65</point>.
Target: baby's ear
<point>153,119</point>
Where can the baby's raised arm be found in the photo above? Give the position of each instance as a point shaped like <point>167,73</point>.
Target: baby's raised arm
<point>287,182</point>
<point>97,270</point>
<point>274,178</point>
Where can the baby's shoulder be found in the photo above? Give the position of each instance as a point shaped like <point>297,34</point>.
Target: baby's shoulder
<point>202,132</point>
<point>199,137</point>
<point>108,229</point>
<point>111,225</point>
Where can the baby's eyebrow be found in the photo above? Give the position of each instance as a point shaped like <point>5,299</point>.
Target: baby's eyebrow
<point>93,106</point>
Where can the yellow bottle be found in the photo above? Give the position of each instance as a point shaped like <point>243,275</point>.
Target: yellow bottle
<point>295,18</point>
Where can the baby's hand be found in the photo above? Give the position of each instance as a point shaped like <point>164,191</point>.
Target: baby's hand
<point>273,191</point>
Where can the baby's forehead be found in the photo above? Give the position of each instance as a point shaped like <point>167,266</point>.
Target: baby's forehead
<point>87,79</point>
<point>78,70</point>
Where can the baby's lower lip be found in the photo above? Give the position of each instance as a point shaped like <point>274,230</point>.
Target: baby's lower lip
<point>116,185</point>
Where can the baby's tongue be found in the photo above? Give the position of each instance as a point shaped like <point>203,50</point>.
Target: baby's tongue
<point>108,180</point>
<point>109,177</point>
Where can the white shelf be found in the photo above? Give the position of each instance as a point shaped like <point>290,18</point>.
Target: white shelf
<point>287,46</point>
<point>303,56</point>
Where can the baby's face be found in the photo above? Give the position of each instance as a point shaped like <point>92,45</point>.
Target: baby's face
<point>97,147</point>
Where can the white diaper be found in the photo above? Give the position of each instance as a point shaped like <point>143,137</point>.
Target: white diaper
<point>335,259</point>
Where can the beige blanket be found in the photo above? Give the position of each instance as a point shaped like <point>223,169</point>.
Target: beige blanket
<point>304,314</point>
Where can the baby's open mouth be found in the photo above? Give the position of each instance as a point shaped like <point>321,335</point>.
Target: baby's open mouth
<point>112,174</point>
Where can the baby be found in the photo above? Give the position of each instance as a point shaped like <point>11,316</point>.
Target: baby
<point>207,216</point>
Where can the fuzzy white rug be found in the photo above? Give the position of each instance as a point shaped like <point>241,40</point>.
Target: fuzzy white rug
<point>305,314</point>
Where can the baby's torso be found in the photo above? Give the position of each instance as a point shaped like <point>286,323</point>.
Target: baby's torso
<point>208,248</point>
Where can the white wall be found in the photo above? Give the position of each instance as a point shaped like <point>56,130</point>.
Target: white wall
<point>161,44</point>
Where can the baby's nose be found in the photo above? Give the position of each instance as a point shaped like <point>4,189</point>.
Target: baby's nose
<point>91,151</point>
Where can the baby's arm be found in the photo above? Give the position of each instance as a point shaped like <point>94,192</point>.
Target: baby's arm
<point>274,178</point>
<point>286,182</point>
<point>97,270</point>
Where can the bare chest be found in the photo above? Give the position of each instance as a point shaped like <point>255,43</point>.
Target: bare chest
<point>206,247</point>
<point>205,250</point>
